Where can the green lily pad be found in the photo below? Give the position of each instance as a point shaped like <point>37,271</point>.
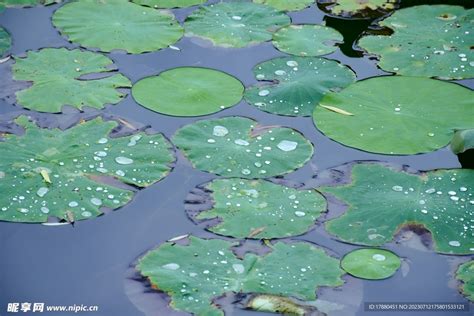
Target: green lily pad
<point>188,91</point>
<point>5,42</point>
<point>462,141</point>
<point>396,115</point>
<point>465,274</point>
<point>443,51</point>
<point>382,200</point>
<point>358,9</point>
<point>294,85</point>
<point>49,172</point>
<point>240,147</point>
<point>117,24</point>
<point>56,76</point>
<point>169,4</point>
<point>261,209</point>
<point>195,274</point>
<point>286,5</point>
<point>235,24</point>
<point>306,39</point>
<point>371,264</point>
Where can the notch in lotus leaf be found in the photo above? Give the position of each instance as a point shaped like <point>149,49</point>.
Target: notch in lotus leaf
<point>381,201</point>
<point>444,51</point>
<point>74,174</point>
<point>193,275</point>
<point>117,25</point>
<point>240,147</point>
<point>235,24</point>
<point>256,209</point>
<point>59,77</point>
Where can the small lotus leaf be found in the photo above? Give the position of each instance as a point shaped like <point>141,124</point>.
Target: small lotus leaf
<point>380,201</point>
<point>58,173</point>
<point>188,91</point>
<point>5,42</point>
<point>358,9</point>
<point>371,263</point>
<point>396,115</point>
<point>293,86</point>
<point>117,24</point>
<point>235,24</point>
<point>239,147</point>
<point>465,274</point>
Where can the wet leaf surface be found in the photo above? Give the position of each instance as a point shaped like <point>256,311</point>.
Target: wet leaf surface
<point>381,201</point>
<point>53,173</point>
<point>293,86</point>
<point>227,147</point>
<point>371,263</point>
<point>427,41</point>
<point>387,118</point>
<point>235,24</point>
<point>258,209</point>
<point>56,76</point>
<point>195,274</point>
<point>188,91</point>
<point>169,4</point>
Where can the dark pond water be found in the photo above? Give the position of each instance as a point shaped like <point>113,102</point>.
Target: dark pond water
<point>90,262</point>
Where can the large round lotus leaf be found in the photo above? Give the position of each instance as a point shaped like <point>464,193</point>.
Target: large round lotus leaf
<point>286,5</point>
<point>169,4</point>
<point>381,201</point>
<point>117,24</point>
<point>294,85</point>
<point>56,74</point>
<point>372,264</point>
<point>306,40</point>
<point>462,141</point>
<point>465,274</point>
<point>59,173</point>
<point>358,9</point>
<point>396,115</point>
<point>188,91</point>
<point>195,274</point>
<point>5,41</point>
<point>240,147</point>
<point>428,41</point>
<point>261,209</point>
<point>235,24</point>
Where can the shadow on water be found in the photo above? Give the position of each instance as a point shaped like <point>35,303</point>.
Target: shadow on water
<point>89,263</point>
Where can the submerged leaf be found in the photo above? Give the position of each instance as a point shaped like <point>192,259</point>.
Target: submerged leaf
<point>117,24</point>
<point>465,274</point>
<point>261,209</point>
<point>306,39</point>
<point>195,274</point>
<point>381,201</point>
<point>75,162</point>
<point>5,42</point>
<point>188,91</point>
<point>371,264</point>
<point>293,86</point>
<point>397,115</point>
<point>227,147</point>
<point>56,76</point>
<point>235,24</point>
<point>428,41</point>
